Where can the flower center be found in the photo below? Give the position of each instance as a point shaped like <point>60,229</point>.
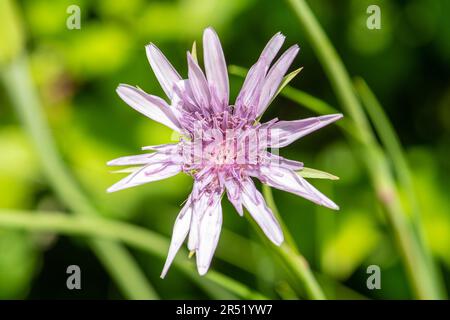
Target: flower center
<point>221,142</point>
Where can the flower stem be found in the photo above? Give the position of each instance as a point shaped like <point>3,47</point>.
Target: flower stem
<point>119,263</point>
<point>420,279</point>
<point>101,228</point>
<point>401,166</point>
<point>289,253</point>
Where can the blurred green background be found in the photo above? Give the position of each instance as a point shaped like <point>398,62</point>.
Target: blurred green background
<point>406,63</point>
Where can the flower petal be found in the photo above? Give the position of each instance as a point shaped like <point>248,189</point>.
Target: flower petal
<point>198,83</point>
<point>179,233</point>
<point>193,233</point>
<point>149,173</point>
<point>289,181</point>
<point>164,71</point>
<point>284,133</point>
<point>138,159</point>
<point>273,159</point>
<point>199,205</point>
<point>251,89</point>
<point>215,66</point>
<point>183,98</point>
<point>209,232</point>
<point>261,213</point>
<point>274,78</point>
<point>168,153</point>
<point>163,148</point>
<point>234,194</point>
<point>151,106</point>
<point>273,46</point>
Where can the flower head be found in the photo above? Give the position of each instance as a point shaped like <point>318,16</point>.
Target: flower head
<point>222,146</point>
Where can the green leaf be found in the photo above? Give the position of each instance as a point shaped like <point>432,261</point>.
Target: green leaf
<point>194,51</point>
<point>237,70</point>
<point>126,170</point>
<point>288,78</point>
<point>316,174</point>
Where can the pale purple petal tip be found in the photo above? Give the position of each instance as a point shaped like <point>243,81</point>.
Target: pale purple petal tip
<point>149,173</point>
<point>163,69</point>
<point>198,83</point>
<point>215,65</point>
<point>209,233</point>
<point>179,233</point>
<point>273,46</point>
<point>275,76</point>
<point>256,206</point>
<point>287,180</point>
<point>284,133</point>
<point>151,106</point>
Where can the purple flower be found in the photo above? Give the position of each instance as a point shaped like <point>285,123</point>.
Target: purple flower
<point>222,146</point>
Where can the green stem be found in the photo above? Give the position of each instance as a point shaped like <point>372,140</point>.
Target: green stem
<point>239,257</point>
<point>385,187</point>
<point>119,263</point>
<point>289,253</point>
<point>101,228</point>
<point>390,140</point>
<point>401,166</point>
<point>421,280</point>
<point>298,265</point>
<point>334,68</point>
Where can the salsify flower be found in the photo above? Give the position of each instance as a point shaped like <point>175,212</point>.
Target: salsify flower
<point>222,146</point>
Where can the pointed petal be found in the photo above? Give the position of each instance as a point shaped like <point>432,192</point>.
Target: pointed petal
<point>261,213</point>
<point>183,98</point>
<point>151,106</point>
<point>163,148</point>
<point>284,133</point>
<point>198,83</point>
<point>234,195</point>
<point>276,160</point>
<point>193,233</point>
<point>273,46</point>
<point>179,233</point>
<point>215,65</point>
<point>289,181</point>
<point>166,153</point>
<point>209,232</point>
<point>164,71</point>
<point>199,205</point>
<point>149,173</point>
<point>139,159</point>
<point>251,89</point>
<point>275,76</point>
